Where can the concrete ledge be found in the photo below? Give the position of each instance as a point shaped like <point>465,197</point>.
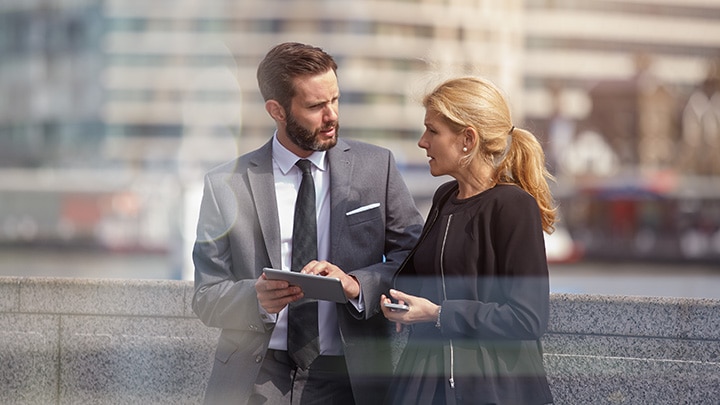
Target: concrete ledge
<point>101,342</point>
<point>130,342</point>
<point>65,296</point>
<point>633,350</point>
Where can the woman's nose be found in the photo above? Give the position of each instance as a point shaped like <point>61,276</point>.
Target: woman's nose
<point>421,143</point>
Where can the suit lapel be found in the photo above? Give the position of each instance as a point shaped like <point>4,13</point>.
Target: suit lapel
<point>341,164</point>
<point>262,187</point>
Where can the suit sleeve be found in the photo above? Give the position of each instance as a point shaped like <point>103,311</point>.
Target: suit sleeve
<point>221,298</point>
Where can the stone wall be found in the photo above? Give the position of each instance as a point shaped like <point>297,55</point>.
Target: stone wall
<point>633,350</point>
<point>66,341</point>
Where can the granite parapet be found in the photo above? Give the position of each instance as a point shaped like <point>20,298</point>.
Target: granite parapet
<point>102,341</point>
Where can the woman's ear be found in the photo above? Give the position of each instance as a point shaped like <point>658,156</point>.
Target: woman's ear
<point>470,138</point>
<point>276,111</point>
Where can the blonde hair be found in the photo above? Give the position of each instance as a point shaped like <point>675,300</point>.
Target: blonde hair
<point>515,154</point>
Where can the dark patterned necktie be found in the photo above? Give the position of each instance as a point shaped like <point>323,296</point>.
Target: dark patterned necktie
<point>303,340</point>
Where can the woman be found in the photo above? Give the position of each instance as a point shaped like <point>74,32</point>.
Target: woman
<point>476,284</point>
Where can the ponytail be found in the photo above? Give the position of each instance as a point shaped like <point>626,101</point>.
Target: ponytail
<point>514,153</point>
<point>524,165</point>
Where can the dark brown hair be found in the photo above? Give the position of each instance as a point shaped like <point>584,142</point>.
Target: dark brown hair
<point>284,63</point>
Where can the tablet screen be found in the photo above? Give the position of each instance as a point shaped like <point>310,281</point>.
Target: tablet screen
<point>317,287</point>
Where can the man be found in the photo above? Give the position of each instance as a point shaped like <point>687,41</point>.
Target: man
<point>366,225</point>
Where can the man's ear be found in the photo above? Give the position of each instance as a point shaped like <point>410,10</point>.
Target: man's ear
<point>276,111</point>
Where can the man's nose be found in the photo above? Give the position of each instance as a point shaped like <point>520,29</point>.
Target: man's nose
<point>330,114</point>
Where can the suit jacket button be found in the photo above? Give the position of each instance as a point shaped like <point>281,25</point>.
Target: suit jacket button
<point>253,327</point>
<point>258,358</point>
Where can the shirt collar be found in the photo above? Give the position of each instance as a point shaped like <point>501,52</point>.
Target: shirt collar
<point>286,159</point>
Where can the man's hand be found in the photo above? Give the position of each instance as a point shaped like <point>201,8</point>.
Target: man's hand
<point>274,295</point>
<point>323,268</point>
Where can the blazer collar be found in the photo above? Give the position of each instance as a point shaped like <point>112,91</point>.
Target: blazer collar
<point>341,163</point>
<point>262,184</point>
<point>262,189</point>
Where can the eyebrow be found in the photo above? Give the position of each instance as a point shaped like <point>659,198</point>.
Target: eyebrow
<point>323,101</point>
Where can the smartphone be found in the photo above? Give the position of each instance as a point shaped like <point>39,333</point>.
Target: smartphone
<point>398,307</point>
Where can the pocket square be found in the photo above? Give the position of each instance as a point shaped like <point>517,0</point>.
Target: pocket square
<point>363,208</point>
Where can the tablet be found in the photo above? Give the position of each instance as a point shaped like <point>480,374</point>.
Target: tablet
<point>317,287</point>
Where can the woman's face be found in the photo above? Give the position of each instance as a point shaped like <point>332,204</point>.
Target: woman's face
<point>442,146</point>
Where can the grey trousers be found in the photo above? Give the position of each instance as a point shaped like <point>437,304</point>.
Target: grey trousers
<point>280,381</point>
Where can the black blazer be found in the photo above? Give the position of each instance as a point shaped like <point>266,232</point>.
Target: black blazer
<point>494,296</point>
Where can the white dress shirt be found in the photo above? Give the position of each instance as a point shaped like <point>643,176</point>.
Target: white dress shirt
<point>287,181</point>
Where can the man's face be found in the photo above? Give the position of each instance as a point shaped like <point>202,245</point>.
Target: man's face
<point>312,122</point>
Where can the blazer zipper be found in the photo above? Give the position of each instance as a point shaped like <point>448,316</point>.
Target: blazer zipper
<point>434,214</point>
<point>442,276</point>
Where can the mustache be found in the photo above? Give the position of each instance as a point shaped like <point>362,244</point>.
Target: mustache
<point>330,126</point>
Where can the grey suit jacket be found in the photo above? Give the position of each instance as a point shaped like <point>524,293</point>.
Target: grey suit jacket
<point>239,233</point>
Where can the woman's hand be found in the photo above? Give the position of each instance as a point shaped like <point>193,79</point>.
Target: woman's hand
<point>421,309</point>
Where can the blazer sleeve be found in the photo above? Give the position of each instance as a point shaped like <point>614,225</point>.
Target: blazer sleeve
<point>224,295</point>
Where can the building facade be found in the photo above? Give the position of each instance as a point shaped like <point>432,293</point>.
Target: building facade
<point>141,77</point>
<point>622,94</point>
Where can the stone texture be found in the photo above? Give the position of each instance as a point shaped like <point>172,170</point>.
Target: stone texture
<point>28,358</point>
<point>107,297</point>
<point>188,294</point>
<point>71,341</point>
<point>633,350</point>
<point>623,380</point>
<point>121,360</point>
<point>9,294</point>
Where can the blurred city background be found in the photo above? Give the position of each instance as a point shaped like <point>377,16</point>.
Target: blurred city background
<point>112,110</point>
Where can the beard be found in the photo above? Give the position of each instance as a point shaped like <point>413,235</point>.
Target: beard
<point>306,139</point>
